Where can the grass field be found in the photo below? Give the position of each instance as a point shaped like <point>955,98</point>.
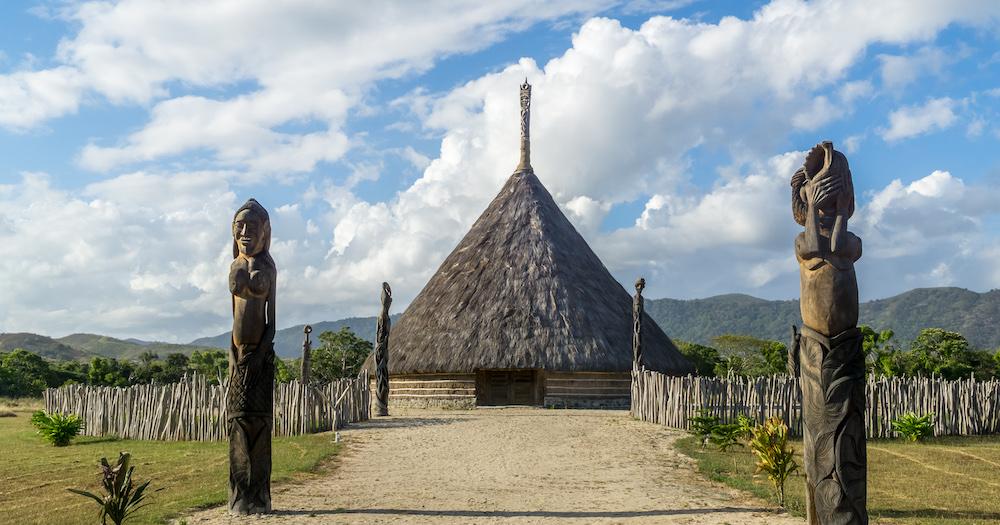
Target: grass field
<point>34,475</point>
<point>943,481</point>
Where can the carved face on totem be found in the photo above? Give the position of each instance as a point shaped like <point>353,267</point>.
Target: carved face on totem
<point>251,230</point>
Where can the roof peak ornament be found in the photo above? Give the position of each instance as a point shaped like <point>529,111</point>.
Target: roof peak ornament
<point>525,163</point>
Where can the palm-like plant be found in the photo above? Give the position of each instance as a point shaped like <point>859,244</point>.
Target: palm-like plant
<point>122,498</point>
<point>769,442</point>
<point>57,428</point>
<point>914,427</point>
<point>726,436</point>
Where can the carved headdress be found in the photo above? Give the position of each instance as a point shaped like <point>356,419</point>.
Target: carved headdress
<point>823,162</point>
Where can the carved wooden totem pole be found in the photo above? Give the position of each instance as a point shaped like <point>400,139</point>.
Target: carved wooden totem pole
<point>306,369</point>
<point>637,309</point>
<point>827,349</point>
<point>525,163</point>
<point>382,355</point>
<point>250,401</point>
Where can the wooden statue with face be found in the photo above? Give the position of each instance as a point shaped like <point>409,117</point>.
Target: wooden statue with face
<point>250,396</point>
<point>826,353</point>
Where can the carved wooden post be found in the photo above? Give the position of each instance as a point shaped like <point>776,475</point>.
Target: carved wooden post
<point>525,163</point>
<point>306,369</point>
<point>382,355</point>
<point>250,399</point>
<point>637,309</point>
<point>829,354</point>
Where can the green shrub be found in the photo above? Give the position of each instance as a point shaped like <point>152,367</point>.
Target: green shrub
<point>769,442</point>
<point>703,423</point>
<point>745,424</point>
<point>913,427</point>
<point>122,498</point>
<point>726,436</point>
<point>57,428</point>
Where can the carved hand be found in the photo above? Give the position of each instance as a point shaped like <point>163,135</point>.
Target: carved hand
<point>820,191</point>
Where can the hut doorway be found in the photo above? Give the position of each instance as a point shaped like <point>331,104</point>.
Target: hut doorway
<point>508,387</point>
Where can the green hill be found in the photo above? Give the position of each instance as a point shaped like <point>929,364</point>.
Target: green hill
<point>41,345</point>
<point>120,349</point>
<point>974,315</point>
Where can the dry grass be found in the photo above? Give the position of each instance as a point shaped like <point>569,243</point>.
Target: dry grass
<point>943,481</point>
<point>34,475</point>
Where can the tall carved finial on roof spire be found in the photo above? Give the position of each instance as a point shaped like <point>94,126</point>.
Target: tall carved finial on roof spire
<point>525,164</point>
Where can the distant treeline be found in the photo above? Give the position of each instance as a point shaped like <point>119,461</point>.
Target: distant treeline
<point>25,374</point>
<point>934,352</point>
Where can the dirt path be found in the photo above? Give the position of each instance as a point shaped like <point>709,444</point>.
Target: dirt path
<point>510,466</point>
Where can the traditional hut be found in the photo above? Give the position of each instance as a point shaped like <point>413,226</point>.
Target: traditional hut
<point>522,312</point>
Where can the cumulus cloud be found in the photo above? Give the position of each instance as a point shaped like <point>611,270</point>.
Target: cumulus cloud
<point>929,231</point>
<point>646,98</point>
<point>616,119</point>
<point>30,97</point>
<point>911,121</point>
<point>135,255</point>
<point>309,63</point>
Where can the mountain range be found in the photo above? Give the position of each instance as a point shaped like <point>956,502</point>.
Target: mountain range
<point>288,341</point>
<point>83,347</point>
<point>975,315</point>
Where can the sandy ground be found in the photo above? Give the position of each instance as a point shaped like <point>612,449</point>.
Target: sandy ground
<point>512,465</point>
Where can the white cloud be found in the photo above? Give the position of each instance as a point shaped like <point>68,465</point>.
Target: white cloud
<point>308,63</point>
<point>136,255</point>
<point>615,119</point>
<point>30,97</point>
<point>910,121</point>
<point>898,71</point>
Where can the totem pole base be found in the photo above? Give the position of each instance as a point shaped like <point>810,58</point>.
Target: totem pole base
<point>249,465</point>
<point>833,404</point>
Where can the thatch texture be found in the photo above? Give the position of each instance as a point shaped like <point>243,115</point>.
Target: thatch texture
<point>524,290</point>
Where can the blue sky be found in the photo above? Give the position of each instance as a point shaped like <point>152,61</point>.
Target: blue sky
<point>375,135</point>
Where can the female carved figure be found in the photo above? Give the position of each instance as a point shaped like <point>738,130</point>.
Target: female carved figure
<point>252,278</point>
<point>828,347</point>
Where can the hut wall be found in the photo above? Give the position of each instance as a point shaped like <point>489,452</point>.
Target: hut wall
<point>432,391</point>
<point>587,390</point>
<point>558,390</point>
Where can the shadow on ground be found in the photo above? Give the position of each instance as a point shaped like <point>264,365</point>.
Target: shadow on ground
<point>936,514</point>
<point>520,514</point>
<point>401,422</point>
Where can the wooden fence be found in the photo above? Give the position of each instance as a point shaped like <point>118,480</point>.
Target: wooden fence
<point>195,410</point>
<point>962,407</point>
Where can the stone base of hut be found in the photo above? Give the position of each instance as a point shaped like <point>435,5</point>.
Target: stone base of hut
<point>528,387</point>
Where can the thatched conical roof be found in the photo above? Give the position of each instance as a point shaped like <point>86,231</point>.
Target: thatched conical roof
<point>524,290</point>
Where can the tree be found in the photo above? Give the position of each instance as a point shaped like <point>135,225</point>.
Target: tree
<point>109,372</point>
<point>705,359</point>
<point>212,364</point>
<point>67,372</point>
<point>24,374</point>
<point>939,352</point>
<point>881,355</point>
<point>285,371</point>
<point>749,356</point>
<point>339,355</point>
<point>174,368</point>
